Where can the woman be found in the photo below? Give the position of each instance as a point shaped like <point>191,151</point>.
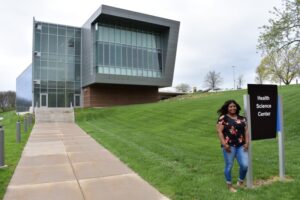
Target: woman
<point>233,135</point>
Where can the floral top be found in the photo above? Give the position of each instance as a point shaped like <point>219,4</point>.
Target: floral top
<point>234,130</point>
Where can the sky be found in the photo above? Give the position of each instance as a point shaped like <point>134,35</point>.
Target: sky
<point>214,35</point>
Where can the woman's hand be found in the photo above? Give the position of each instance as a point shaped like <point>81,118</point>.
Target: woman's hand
<point>246,146</point>
<point>227,148</point>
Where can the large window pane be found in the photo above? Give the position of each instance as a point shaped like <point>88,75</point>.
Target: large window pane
<point>60,74</point>
<point>160,61</point>
<point>51,99</point>
<point>70,85</point>
<point>51,84</point>
<point>145,60</point>
<point>52,44</point>
<point>123,36</point>
<point>124,57</point>
<point>129,56</point>
<point>70,72</point>
<point>37,40</point>
<point>155,60</point>
<point>77,46</point>
<point>77,87</point>
<point>117,35</point>
<point>118,55</point>
<point>61,30</point>
<point>100,54</point>
<point>133,34</point>
<point>52,74</point>
<point>45,28</point>
<point>53,29</point>
<point>44,43</point>
<point>149,42</point>
<point>61,45</point>
<point>144,40</point>
<point>61,100</point>
<point>61,84</point>
<point>111,34</point>
<point>44,73</point>
<point>78,33</point>
<point>71,46</point>
<point>157,41</point>
<point>153,44</point>
<point>139,39</point>
<point>51,65</point>
<point>105,34</point>
<point>106,54</point>
<point>128,37</point>
<point>150,59</point>
<point>134,57</point>
<point>77,72</point>
<point>140,58</point>
<point>70,32</point>
<point>112,55</point>
<point>37,72</point>
<point>100,34</point>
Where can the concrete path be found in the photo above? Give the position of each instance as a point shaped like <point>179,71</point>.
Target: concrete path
<point>60,161</point>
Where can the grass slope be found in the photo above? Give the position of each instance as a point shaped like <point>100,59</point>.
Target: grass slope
<point>174,146</point>
<point>12,150</point>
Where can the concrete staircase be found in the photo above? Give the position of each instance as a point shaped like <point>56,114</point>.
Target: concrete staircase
<point>54,115</point>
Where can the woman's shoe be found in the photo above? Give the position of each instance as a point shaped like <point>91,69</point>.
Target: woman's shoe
<point>240,184</point>
<point>231,188</point>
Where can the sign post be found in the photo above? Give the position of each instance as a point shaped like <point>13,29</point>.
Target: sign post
<point>248,115</point>
<point>280,139</point>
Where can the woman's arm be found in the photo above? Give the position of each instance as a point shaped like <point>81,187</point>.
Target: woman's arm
<point>220,128</point>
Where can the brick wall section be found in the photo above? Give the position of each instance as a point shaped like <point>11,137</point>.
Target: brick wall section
<point>103,95</point>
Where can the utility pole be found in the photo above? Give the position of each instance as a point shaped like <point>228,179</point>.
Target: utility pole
<point>233,77</point>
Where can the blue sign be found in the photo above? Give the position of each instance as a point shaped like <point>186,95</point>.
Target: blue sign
<point>278,126</point>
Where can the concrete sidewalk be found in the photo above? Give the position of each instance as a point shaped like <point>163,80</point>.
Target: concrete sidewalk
<point>60,161</point>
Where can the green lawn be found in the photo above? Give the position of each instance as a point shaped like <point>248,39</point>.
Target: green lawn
<point>174,146</point>
<point>13,150</point>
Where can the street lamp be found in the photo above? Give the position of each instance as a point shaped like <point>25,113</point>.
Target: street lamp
<point>233,77</point>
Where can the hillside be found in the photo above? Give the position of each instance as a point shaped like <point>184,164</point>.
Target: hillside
<point>173,145</point>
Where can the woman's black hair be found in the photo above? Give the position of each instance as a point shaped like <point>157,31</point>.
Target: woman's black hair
<point>224,109</point>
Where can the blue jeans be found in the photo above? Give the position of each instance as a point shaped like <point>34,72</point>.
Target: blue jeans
<point>242,158</point>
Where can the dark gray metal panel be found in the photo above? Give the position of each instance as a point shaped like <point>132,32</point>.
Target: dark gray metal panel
<point>129,80</point>
<point>88,73</point>
<point>169,29</point>
<point>122,13</point>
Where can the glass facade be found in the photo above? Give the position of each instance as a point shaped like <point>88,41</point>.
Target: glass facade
<point>24,90</point>
<point>56,65</point>
<point>128,51</point>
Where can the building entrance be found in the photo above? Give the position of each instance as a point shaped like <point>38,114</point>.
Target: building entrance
<point>44,100</point>
<point>77,100</point>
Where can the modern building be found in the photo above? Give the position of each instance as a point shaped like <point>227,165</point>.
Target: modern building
<point>117,57</point>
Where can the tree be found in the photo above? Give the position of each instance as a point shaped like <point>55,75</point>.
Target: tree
<point>283,29</point>
<point>212,80</point>
<point>240,81</point>
<point>7,100</point>
<point>183,87</point>
<point>282,66</point>
<point>262,73</point>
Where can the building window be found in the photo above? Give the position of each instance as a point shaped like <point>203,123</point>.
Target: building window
<point>58,66</point>
<point>128,48</point>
